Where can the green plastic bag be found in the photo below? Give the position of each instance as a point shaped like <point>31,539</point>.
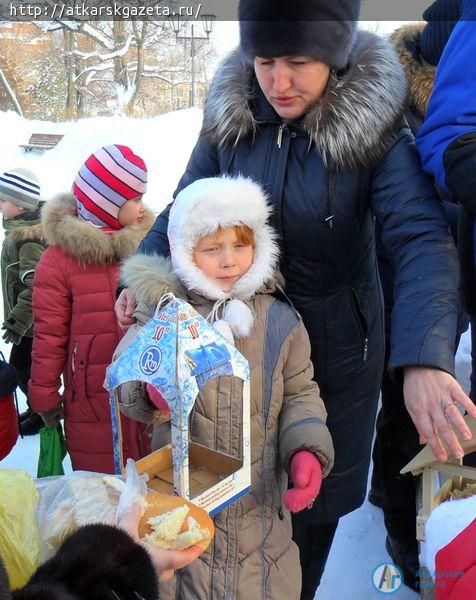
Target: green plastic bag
<point>52,452</point>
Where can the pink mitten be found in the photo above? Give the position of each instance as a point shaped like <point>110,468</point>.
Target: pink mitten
<point>157,399</point>
<point>306,475</point>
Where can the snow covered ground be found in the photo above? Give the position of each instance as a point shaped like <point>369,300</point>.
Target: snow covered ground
<point>165,143</point>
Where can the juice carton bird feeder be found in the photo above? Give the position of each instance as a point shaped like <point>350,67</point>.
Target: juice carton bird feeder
<point>178,352</point>
<point>425,464</point>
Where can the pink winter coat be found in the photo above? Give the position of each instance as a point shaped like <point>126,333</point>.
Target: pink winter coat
<point>76,332</point>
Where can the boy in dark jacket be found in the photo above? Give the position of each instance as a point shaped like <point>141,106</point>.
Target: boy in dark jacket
<point>22,248</point>
<point>419,47</point>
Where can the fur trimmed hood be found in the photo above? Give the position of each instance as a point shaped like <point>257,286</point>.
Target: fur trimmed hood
<point>150,276</point>
<point>201,209</point>
<point>27,233</point>
<point>350,125</point>
<point>420,75</point>
<point>86,243</point>
<point>26,227</point>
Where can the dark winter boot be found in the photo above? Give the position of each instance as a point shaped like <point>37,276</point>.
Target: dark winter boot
<point>375,492</point>
<point>404,554</point>
<point>31,425</point>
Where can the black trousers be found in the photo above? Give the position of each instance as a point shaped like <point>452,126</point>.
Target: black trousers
<point>20,358</point>
<point>396,443</point>
<point>314,543</point>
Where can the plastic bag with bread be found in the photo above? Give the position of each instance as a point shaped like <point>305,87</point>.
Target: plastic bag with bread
<point>171,522</point>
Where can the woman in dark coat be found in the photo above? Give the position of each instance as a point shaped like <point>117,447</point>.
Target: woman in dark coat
<point>312,110</point>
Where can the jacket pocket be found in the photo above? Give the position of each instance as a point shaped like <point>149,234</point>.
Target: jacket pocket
<point>361,322</point>
<point>81,364</point>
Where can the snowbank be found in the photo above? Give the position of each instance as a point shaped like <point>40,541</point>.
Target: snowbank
<point>164,142</point>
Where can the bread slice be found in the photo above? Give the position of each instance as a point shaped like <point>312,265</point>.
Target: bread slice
<point>171,522</point>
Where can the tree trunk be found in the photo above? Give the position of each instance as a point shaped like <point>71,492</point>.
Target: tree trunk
<point>11,93</point>
<point>71,112</point>
<point>120,66</point>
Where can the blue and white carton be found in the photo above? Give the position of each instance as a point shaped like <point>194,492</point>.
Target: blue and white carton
<point>178,352</point>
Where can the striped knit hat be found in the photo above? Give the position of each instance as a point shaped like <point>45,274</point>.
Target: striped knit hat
<point>21,187</point>
<point>110,177</point>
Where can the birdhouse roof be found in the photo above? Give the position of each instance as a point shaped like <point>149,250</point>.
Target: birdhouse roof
<point>426,458</point>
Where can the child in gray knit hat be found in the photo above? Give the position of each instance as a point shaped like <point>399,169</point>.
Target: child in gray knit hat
<point>20,204</point>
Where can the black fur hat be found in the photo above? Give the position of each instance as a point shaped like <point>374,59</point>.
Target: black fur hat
<point>323,29</point>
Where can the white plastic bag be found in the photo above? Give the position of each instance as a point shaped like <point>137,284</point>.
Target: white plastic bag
<point>135,489</point>
<point>81,498</point>
<point>71,501</point>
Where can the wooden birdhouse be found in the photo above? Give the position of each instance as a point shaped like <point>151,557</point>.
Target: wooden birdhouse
<point>178,352</point>
<point>458,478</point>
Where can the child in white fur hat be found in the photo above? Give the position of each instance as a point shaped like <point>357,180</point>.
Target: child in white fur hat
<point>224,262</point>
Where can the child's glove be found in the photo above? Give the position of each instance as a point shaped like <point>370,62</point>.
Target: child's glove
<point>52,417</point>
<point>157,399</point>
<point>11,336</point>
<point>306,475</point>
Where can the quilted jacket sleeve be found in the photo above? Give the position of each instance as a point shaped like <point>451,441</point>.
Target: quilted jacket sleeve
<point>302,422</point>
<point>21,315</point>
<point>415,229</point>
<point>52,316</point>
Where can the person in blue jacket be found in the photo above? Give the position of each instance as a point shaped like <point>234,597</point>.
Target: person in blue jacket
<point>419,47</point>
<point>447,145</point>
<point>311,109</point>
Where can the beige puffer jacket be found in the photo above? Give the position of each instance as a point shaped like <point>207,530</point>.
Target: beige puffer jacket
<point>252,555</point>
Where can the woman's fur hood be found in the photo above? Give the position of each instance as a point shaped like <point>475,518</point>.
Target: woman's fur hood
<point>351,124</point>
<point>420,75</point>
<point>88,244</point>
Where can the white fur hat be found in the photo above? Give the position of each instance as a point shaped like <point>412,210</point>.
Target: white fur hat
<point>204,206</point>
<point>199,210</point>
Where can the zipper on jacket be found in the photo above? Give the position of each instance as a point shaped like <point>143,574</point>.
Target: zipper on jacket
<point>73,357</point>
<point>362,321</point>
<point>7,275</point>
<point>281,129</point>
<point>280,134</point>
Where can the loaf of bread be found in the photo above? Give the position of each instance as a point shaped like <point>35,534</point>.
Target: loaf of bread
<point>170,522</point>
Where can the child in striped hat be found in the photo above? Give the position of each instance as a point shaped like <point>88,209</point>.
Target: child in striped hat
<point>110,178</point>
<point>89,232</point>
<point>23,246</point>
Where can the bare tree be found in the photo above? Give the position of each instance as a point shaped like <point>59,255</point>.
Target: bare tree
<point>11,94</point>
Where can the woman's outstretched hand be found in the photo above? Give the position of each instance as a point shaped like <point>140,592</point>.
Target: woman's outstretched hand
<point>431,397</point>
<point>306,476</point>
<point>165,561</point>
